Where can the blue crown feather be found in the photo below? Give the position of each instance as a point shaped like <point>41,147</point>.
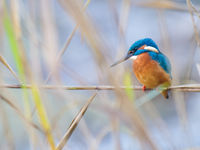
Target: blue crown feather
<point>145,41</point>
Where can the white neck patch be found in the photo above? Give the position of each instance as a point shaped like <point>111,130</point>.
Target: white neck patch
<point>150,48</point>
<point>133,57</point>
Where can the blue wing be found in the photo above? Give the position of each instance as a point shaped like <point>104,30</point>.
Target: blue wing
<point>162,60</point>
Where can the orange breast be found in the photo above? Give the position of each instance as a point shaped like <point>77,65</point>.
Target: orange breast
<point>149,72</point>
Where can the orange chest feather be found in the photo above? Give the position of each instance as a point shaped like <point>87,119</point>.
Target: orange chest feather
<point>149,72</point>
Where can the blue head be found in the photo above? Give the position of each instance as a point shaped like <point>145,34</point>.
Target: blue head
<point>140,44</point>
<point>139,47</point>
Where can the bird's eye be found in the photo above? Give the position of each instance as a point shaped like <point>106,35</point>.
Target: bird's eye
<point>130,52</point>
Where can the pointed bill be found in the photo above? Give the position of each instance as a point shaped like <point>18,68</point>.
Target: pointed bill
<point>118,62</point>
<point>121,60</point>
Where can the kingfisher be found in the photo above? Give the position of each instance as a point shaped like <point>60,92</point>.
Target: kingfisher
<point>150,66</point>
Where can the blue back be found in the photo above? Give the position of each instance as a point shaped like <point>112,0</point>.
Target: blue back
<point>162,60</point>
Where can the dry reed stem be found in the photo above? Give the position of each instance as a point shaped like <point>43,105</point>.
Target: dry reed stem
<point>159,123</point>
<point>67,108</point>
<point>87,28</point>
<point>74,75</point>
<point>68,41</point>
<point>74,123</point>
<point>3,61</point>
<point>134,121</point>
<point>182,88</point>
<point>122,25</point>
<point>100,136</point>
<point>191,9</point>
<point>62,52</point>
<point>166,4</point>
<point>194,9</point>
<point>12,105</point>
<point>8,134</point>
<point>180,105</point>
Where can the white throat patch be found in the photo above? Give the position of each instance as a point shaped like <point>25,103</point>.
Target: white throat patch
<point>153,49</point>
<point>133,57</point>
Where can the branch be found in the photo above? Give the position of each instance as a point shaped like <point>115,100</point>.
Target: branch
<point>183,88</point>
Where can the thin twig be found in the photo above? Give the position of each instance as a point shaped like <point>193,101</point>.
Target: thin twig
<point>74,124</point>
<point>183,88</point>
<point>12,105</point>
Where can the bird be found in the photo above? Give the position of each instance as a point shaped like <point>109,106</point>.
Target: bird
<point>151,67</point>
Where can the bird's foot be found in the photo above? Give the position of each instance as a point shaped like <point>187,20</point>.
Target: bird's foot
<point>143,88</point>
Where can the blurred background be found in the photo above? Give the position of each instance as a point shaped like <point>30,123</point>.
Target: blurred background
<point>59,43</point>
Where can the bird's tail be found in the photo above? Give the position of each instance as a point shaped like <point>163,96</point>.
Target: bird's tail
<point>165,91</point>
<point>165,94</point>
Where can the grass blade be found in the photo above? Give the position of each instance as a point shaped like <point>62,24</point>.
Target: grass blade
<point>128,84</point>
<point>42,115</point>
<point>13,44</point>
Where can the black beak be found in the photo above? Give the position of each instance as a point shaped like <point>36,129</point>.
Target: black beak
<point>122,60</point>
